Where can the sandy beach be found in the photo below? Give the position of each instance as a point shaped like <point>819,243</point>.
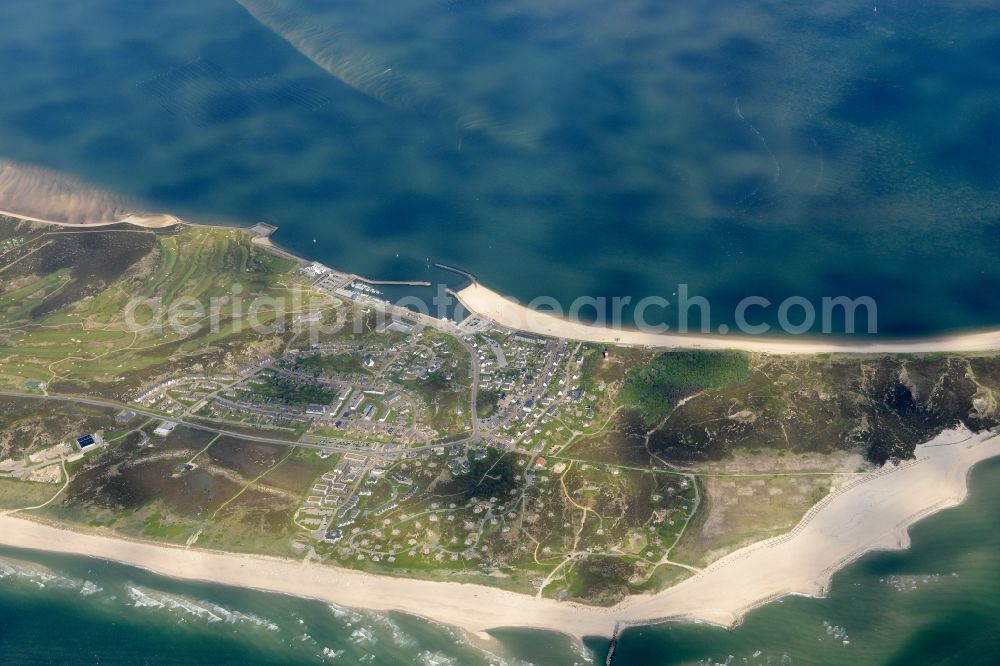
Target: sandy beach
<point>145,221</point>
<point>872,512</point>
<point>490,305</point>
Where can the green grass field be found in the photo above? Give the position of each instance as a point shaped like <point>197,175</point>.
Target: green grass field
<point>69,315</point>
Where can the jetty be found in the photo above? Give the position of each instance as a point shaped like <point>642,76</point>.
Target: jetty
<point>261,235</point>
<point>612,645</point>
<point>467,275</point>
<point>397,283</point>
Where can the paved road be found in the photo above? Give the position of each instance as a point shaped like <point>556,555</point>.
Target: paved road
<point>96,402</point>
<point>474,410</point>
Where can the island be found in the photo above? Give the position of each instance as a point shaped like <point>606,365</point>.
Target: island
<point>266,421</point>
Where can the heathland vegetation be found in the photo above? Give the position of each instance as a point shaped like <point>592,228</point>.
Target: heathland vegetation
<point>591,476</point>
<point>655,388</point>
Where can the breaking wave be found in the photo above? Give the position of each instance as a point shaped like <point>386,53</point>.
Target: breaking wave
<point>43,577</point>
<point>203,610</point>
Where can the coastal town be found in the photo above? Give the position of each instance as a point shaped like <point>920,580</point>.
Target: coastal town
<point>465,333</point>
<point>382,440</point>
<point>445,442</point>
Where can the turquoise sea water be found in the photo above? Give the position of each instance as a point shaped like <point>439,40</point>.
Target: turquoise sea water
<point>566,148</point>
<point>938,602</point>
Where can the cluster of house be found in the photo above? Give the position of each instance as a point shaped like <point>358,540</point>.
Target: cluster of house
<point>421,361</point>
<point>331,505</point>
<point>154,393</point>
<point>326,501</point>
<point>175,394</point>
<point>364,402</point>
<point>520,369</point>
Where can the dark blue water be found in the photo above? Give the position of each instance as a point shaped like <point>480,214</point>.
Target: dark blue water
<point>563,148</point>
<point>768,148</point>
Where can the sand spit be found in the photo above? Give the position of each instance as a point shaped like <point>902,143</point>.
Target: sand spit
<point>492,306</point>
<point>42,195</point>
<point>870,513</point>
<point>335,51</point>
<point>152,221</point>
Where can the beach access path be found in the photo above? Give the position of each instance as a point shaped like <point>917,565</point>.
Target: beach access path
<point>871,513</point>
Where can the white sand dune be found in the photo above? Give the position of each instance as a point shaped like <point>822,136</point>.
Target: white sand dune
<point>490,305</point>
<point>873,512</point>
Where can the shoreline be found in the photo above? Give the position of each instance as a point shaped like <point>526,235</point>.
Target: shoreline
<point>492,306</point>
<point>150,221</point>
<point>832,535</point>
<point>836,532</point>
